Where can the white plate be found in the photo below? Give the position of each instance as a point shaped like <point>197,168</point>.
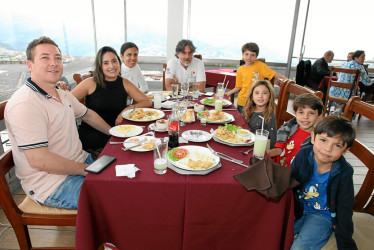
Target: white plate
<point>154,127</point>
<point>226,103</point>
<point>164,95</point>
<point>168,104</point>
<point>193,117</point>
<point>148,119</point>
<point>252,136</point>
<point>136,131</point>
<point>229,118</point>
<point>205,136</point>
<point>195,153</point>
<point>128,143</point>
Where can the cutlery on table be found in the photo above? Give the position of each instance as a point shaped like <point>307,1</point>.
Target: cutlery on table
<point>116,142</point>
<point>224,155</point>
<point>136,145</point>
<point>233,161</point>
<point>247,152</point>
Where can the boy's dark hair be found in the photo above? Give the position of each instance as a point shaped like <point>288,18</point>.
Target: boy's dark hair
<point>251,47</point>
<point>357,54</point>
<point>128,45</point>
<point>336,125</point>
<point>310,100</point>
<point>41,40</point>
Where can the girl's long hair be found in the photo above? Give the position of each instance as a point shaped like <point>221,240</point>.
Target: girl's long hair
<point>250,104</point>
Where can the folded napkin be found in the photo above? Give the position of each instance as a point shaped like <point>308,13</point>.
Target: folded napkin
<point>168,104</point>
<point>128,170</point>
<point>267,178</point>
<point>182,140</point>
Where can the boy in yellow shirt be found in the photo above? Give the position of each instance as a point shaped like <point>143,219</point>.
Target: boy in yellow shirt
<point>250,72</point>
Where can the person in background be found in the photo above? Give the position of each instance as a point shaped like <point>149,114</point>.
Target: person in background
<point>40,118</point>
<point>349,56</point>
<point>357,62</point>
<point>261,102</point>
<point>325,195</point>
<point>130,68</point>
<point>320,69</point>
<point>64,82</point>
<point>185,68</point>
<point>106,93</point>
<point>252,71</point>
<point>293,134</point>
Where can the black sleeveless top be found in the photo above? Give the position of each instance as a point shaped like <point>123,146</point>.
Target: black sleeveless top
<point>108,103</point>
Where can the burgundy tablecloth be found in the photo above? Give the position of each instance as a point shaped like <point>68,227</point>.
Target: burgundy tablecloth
<point>174,211</point>
<point>215,76</point>
<point>325,82</point>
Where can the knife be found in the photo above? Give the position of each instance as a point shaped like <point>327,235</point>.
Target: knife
<point>224,155</point>
<point>136,145</point>
<point>228,159</point>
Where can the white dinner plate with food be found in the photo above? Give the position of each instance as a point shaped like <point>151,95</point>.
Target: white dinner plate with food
<point>209,101</point>
<point>193,158</point>
<point>197,135</point>
<point>228,135</point>
<point>189,116</point>
<point>218,117</point>
<point>124,131</point>
<point>164,95</point>
<point>143,115</point>
<point>145,146</point>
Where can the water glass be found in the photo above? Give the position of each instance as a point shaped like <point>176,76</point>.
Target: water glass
<point>174,90</point>
<point>220,89</point>
<point>218,103</point>
<point>157,99</point>
<point>261,140</point>
<point>160,152</point>
<point>184,88</point>
<point>195,91</point>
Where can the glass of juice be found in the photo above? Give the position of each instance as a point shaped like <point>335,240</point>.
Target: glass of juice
<point>218,103</point>
<point>160,152</point>
<point>260,143</point>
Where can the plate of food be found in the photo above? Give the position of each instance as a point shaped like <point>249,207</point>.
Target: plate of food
<point>209,101</point>
<point>189,116</point>
<point>197,135</point>
<point>164,95</point>
<point>213,116</point>
<point>233,135</point>
<point>193,158</point>
<point>146,145</point>
<point>126,130</point>
<point>143,115</point>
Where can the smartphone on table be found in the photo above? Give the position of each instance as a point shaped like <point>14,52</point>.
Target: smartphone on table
<point>99,165</point>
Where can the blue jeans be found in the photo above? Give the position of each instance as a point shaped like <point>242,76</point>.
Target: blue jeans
<point>66,195</point>
<point>240,108</point>
<point>313,230</point>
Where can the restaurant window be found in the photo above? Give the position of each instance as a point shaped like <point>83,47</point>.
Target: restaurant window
<point>146,26</point>
<point>219,28</point>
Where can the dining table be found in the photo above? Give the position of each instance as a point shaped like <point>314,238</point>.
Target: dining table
<point>180,211</point>
<point>214,76</point>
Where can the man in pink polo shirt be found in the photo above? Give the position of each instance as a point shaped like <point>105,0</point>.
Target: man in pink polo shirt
<point>40,119</point>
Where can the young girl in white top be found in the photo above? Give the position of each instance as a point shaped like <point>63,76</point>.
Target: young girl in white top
<point>261,102</point>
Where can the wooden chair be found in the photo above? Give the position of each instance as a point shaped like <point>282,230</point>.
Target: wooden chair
<point>287,88</point>
<point>363,207</point>
<point>80,77</point>
<point>350,86</point>
<point>29,212</point>
<point>2,109</point>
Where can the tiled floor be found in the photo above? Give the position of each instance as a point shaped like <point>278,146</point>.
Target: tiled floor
<point>65,236</point>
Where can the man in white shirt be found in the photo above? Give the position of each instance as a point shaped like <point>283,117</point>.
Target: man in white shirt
<point>185,67</point>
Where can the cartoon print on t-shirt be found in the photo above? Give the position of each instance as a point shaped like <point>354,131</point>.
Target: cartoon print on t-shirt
<point>313,193</point>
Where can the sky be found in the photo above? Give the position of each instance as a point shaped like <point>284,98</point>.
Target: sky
<point>218,27</point>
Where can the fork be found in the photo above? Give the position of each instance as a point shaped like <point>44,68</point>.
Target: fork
<point>247,152</point>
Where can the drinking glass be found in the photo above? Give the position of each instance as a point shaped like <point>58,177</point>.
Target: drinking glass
<point>160,152</point>
<point>218,103</point>
<point>182,108</point>
<point>220,89</point>
<point>195,91</point>
<point>184,89</point>
<point>157,99</point>
<point>174,90</point>
<point>261,140</point>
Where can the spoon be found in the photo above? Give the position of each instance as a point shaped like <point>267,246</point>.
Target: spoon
<point>247,152</point>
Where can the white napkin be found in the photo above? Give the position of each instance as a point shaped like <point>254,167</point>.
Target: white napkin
<point>128,170</point>
<point>182,140</point>
<point>168,104</point>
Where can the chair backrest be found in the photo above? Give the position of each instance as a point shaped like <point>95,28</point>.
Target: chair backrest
<point>163,76</point>
<point>80,77</point>
<point>19,219</point>
<point>198,56</point>
<point>287,88</point>
<point>350,86</point>
<point>2,124</point>
<point>364,201</point>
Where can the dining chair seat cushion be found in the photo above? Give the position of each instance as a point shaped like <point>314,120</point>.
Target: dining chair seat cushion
<point>30,206</point>
<point>363,232</point>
